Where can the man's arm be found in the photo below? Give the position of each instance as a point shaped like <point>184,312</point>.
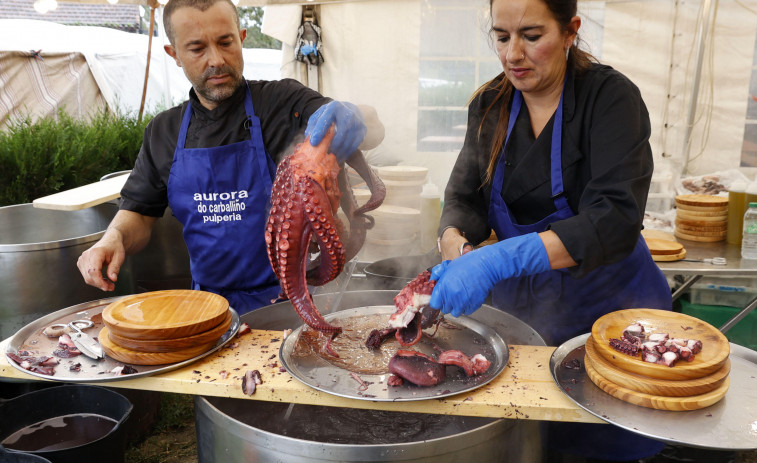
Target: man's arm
<point>128,233</point>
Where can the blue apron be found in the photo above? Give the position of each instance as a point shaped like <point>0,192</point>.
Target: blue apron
<point>560,307</point>
<point>220,196</point>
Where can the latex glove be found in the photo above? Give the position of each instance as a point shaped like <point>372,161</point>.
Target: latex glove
<point>350,128</point>
<point>463,284</point>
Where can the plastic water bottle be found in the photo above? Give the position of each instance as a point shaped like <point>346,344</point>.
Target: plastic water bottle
<point>749,239</point>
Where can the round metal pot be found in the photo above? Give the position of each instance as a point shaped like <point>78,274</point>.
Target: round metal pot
<point>38,253</point>
<point>63,401</point>
<point>250,430</point>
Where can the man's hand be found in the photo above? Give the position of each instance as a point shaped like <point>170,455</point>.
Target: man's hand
<point>108,251</point>
<point>128,232</point>
<point>350,128</point>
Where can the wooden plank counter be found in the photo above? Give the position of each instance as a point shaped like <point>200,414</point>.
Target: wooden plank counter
<point>524,390</point>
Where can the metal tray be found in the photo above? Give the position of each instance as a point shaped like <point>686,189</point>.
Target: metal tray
<point>730,424</point>
<point>30,338</point>
<point>464,334</point>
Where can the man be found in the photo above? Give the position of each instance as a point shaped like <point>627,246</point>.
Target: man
<point>210,159</point>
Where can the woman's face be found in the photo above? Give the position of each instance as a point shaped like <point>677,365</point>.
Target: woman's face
<point>531,44</point>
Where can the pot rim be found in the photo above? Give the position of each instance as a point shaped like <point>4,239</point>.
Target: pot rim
<point>52,244</point>
<point>428,447</point>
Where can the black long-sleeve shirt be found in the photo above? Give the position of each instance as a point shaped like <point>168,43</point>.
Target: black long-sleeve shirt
<point>606,165</point>
<point>283,108</point>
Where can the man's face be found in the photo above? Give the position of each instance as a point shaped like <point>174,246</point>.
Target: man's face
<point>208,45</point>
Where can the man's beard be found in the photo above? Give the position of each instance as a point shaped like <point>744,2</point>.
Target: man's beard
<point>217,94</point>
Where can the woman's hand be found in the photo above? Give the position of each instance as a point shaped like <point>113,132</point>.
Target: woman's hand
<point>463,284</point>
<point>453,244</point>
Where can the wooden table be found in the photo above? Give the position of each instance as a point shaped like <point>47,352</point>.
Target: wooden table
<point>693,271</point>
<point>524,390</point>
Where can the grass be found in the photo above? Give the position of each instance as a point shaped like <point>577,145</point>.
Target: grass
<point>172,439</point>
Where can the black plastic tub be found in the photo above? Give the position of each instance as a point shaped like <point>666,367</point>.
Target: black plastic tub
<point>60,404</point>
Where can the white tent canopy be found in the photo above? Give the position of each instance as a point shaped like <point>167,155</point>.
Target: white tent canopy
<point>116,61</point>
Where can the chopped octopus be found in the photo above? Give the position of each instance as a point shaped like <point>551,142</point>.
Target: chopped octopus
<point>413,314</point>
<point>42,365</point>
<point>423,370</point>
<point>657,348</point>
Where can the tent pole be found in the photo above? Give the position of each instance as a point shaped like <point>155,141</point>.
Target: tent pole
<point>147,67</point>
<point>708,7</point>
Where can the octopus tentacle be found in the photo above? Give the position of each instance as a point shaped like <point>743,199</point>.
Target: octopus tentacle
<point>308,189</point>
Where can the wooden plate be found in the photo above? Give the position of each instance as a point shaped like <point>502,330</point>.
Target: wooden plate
<point>669,257</point>
<point>653,386</point>
<point>657,246</point>
<point>707,216</point>
<point>715,347</point>
<point>702,200</point>
<point>172,345</point>
<point>702,239</point>
<point>678,404</point>
<point>165,314</point>
<point>133,357</point>
<point>650,233</point>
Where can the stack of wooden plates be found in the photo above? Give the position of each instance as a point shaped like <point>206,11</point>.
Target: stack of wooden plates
<point>701,217</point>
<point>663,246</point>
<point>162,327</point>
<point>684,386</point>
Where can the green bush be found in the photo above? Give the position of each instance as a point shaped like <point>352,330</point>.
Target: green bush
<point>55,154</point>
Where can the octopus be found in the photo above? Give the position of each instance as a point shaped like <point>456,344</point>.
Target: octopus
<point>423,370</point>
<point>413,314</point>
<point>43,365</point>
<point>657,348</point>
<point>308,189</point>
<point>250,381</point>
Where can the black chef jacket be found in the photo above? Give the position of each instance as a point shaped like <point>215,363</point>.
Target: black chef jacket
<point>283,108</point>
<point>606,166</point>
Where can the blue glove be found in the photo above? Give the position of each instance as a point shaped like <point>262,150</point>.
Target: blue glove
<point>463,284</point>
<point>350,128</point>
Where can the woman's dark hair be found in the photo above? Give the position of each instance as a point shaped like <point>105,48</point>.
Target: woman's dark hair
<point>578,61</point>
<point>201,5</point>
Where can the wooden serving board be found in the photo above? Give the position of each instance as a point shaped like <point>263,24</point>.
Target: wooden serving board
<point>653,386</point>
<point>133,357</point>
<point>83,196</point>
<point>173,345</point>
<point>678,404</point>
<point>715,347</point>
<point>168,314</point>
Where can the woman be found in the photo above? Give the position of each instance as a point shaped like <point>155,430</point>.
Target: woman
<point>557,162</point>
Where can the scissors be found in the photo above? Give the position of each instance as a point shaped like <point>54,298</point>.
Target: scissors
<point>83,341</point>
<point>713,261</point>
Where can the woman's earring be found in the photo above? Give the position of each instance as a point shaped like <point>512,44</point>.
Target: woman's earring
<point>567,51</point>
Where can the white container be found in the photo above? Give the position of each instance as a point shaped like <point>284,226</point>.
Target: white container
<point>431,212</point>
<point>749,239</point>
